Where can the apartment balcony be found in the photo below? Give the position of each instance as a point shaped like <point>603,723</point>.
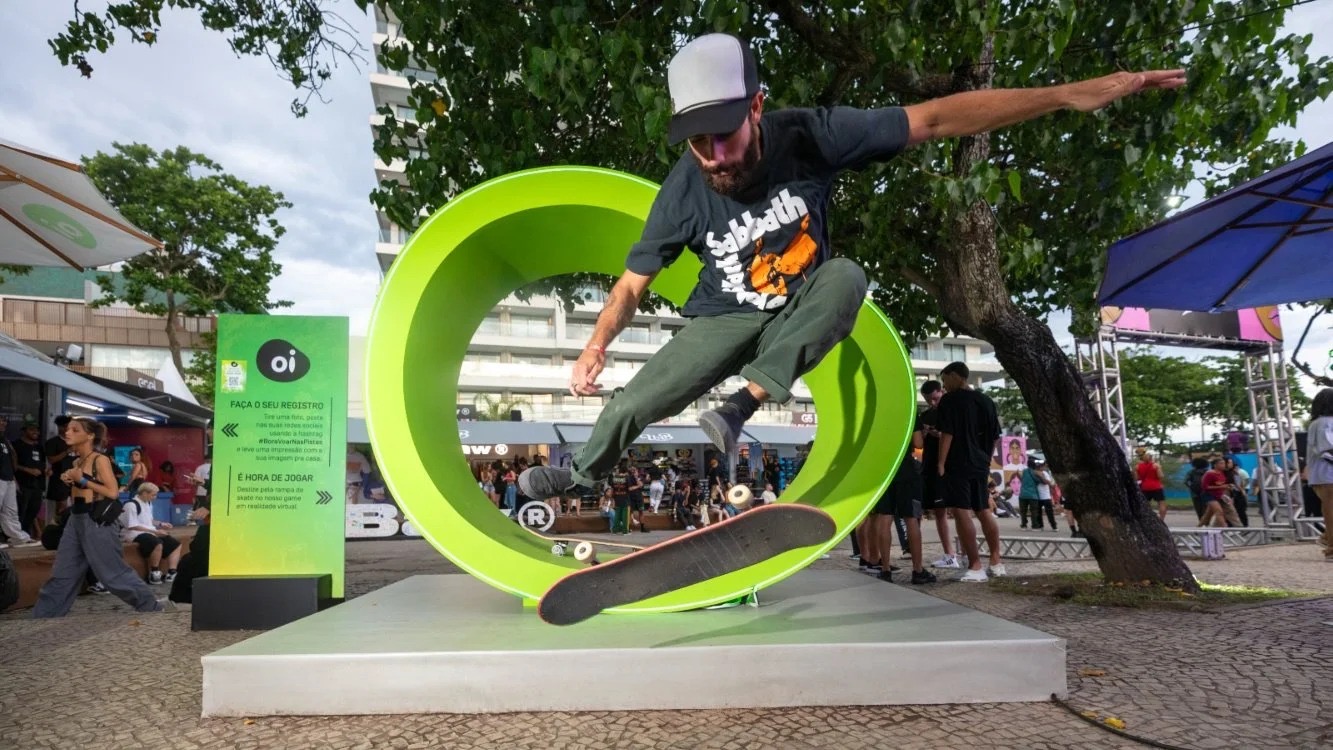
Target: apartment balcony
<point>58,322</point>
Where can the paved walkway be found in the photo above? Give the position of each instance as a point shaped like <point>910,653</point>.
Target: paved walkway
<point>1253,677</point>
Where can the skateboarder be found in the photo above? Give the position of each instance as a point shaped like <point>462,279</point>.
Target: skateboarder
<point>749,197</point>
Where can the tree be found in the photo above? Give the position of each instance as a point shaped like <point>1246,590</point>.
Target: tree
<point>201,375</point>
<point>1015,417</point>
<point>301,38</point>
<point>1161,394</point>
<point>1225,401</point>
<point>497,409</point>
<point>983,234</point>
<point>217,233</point>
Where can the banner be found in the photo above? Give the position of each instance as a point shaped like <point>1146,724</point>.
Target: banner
<point>1260,324</point>
<point>280,441</point>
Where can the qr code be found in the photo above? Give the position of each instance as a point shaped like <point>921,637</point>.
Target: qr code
<point>233,376</point>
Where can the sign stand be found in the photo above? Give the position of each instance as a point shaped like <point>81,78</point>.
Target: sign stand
<point>278,472</point>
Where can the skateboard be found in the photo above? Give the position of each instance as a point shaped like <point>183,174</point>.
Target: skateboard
<point>584,549</point>
<point>724,547</point>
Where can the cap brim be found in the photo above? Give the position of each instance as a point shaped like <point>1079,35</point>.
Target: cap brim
<point>714,118</point>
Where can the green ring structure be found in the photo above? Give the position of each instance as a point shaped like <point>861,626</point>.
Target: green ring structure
<point>516,229</point>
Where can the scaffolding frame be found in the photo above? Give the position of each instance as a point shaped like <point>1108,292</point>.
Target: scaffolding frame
<point>1099,363</point>
<point>1274,431</point>
<point>1277,475</point>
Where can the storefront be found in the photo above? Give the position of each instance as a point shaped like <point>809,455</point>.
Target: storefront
<point>32,389</point>
<point>778,446</point>
<point>685,447</point>
<point>484,443</point>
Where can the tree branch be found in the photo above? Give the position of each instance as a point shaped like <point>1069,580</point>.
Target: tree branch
<point>1309,372</point>
<point>920,281</point>
<point>851,60</point>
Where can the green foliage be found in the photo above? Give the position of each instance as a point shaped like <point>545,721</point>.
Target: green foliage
<point>201,375</point>
<point>1161,393</point>
<point>300,37</point>
<point>496,409</point>
<point>1227,404</point>
<point>218,235</point>
<point>9,271</point>
<point>1015,417</point>
<point>587,86</point>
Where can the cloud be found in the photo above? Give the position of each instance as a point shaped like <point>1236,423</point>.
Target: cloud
<point>321,288</point>
<point>189,89</point>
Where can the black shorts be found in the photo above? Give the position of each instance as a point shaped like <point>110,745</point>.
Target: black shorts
<point>964,492</point>
<point>902,499</point>
<point>635,501</point>
<point>930,488</point>
<point>1155,496</point>
<point>147,542</point>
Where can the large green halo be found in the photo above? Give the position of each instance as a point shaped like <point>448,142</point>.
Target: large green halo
<point>516,229</point>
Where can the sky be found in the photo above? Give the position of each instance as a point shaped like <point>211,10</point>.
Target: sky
<point>189,89</point>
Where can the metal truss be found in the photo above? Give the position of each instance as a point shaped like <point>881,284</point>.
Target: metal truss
<point>1099,364</point>
<point>1275,441</point>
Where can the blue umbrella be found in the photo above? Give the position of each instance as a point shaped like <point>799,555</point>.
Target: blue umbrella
<point>1267,242</point>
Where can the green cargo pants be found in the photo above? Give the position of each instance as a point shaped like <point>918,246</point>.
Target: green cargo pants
<point>772,349</point>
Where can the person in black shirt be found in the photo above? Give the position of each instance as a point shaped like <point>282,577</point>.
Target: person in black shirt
<point>926,432</point>
<point>749,197</point>
<point>30,466</point>
<point>968,427</point>
<point>60,460</point>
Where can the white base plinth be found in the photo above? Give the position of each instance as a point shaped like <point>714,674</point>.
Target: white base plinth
<point>450,644</point>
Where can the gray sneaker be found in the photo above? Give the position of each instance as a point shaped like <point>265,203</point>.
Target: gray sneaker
<point>545,482</point>
<point>723,427</point>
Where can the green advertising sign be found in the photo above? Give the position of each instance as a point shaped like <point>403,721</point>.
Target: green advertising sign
<point>279,450</point>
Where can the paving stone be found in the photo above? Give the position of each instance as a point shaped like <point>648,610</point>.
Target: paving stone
<point>1254,677</point>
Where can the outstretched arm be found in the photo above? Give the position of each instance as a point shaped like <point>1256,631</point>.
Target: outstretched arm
<point>973,112</point>
<point>617,313</point>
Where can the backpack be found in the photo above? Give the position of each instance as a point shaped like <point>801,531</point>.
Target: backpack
<point>1195,481</point>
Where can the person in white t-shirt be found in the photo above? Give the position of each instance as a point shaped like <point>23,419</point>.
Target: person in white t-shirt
<point>161,552</point>
<point>768,497</point>
<point>199,479</point>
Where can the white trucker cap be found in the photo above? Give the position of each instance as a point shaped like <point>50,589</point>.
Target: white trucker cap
<point>711,81</point>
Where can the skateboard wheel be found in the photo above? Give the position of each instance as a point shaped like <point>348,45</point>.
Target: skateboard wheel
<point>583,552</point>
<point>740,496</point>
<point>558,549</point>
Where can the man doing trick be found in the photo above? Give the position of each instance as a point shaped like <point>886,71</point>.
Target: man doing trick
<point>750,197</point>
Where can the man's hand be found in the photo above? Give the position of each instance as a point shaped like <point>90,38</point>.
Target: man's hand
<point>1095,93</point>
<point>583,381</point>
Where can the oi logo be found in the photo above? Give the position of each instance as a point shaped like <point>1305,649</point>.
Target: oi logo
<point>59,222</point>
<point>281,361</point>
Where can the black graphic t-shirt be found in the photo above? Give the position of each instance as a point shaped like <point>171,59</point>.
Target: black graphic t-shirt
<point>758,248</point>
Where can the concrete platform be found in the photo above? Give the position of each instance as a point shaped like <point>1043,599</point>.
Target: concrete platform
<point>450,644</point>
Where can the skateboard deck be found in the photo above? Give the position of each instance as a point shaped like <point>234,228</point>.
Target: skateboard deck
<point>710,552</point>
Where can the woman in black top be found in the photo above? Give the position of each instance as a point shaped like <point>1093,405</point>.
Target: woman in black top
<point>85,543</point>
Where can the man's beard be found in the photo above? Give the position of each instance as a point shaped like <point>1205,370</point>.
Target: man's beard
<point>732,180</point>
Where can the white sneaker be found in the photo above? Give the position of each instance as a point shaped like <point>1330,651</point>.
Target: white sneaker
<point>948,561</point>
<point>689,528</point>
<point>997,571</point>
<point>155,578</point>
<point>974,576</point>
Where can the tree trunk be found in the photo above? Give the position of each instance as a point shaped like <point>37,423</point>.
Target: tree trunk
<point>173,338</point>
<point>1129,541</point>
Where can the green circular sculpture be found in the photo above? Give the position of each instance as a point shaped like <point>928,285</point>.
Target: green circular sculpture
<point>511,231</point>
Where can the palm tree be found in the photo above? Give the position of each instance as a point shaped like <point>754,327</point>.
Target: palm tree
<point>497,409</point>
